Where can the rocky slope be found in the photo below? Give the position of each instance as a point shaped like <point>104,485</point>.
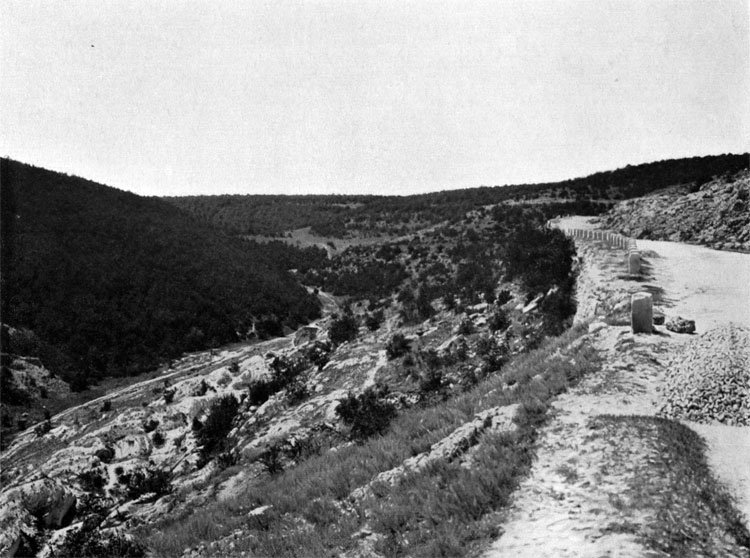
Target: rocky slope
<point>138,455</point>
<point>717,215</point>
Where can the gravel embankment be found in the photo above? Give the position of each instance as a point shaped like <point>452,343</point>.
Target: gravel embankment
<point>710,380</point>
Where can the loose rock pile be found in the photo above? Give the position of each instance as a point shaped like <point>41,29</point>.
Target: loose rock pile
<point>710,380</point>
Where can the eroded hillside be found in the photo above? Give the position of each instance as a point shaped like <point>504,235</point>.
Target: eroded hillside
<point>717,214</point>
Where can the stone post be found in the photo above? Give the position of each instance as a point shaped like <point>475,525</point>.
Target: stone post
<point>634,262</point>
<point>641,313</point>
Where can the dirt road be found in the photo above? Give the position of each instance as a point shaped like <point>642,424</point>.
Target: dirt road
<point>572,503</point>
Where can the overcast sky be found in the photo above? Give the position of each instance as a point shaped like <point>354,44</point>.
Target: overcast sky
<point>171,98</point>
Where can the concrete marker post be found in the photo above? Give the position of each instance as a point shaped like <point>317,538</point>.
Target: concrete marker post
<point>634,262</point>
<point>642,313</point>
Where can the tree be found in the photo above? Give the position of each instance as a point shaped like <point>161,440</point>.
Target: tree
<point>343,329</point>
<point>212,435</point>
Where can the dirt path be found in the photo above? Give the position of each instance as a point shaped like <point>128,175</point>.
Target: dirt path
<point>573,503</point>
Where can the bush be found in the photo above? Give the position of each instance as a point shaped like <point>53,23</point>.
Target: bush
<point>343,329</point>
<point>503,297</point>
<point>430,381</point>
<point>319,353</point>
<point>367,413</point>
<point>212,436</point>
<point>150,425</point>
<point>493,354</point>
<point>146,481</point>
<point>105,454</point>
<point>42,428</point>
<point>89,542</point>
<point>397,346</point>
<point>373,321</point>
<point>91,480</point>
<point>296,391</point>
<point>260,391</point>
<point>271,460</point>
<point>158,439</point>
<point>466,327</point>
<point>499,320</point>
<point>531,414</point>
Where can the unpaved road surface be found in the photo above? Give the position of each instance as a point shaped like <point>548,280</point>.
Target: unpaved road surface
<point>572,503</point>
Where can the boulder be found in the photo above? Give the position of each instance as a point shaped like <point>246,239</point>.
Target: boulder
<point>658,316</point>
<point>681,325</point>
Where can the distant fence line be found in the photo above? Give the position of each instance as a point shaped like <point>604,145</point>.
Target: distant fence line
<point>613,239</point>
<point>641,305</point>
<point>633,260</point>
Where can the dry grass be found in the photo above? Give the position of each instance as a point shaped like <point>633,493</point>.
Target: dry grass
<point>435,512</point>
<point>693,515</point>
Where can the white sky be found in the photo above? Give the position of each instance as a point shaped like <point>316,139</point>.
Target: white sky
<point>381,97</point>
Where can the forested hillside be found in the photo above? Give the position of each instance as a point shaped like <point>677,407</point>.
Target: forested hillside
<point>105,282</point>
<point>338,216</point>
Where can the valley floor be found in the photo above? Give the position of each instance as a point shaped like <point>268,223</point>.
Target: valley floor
<point>604,482</point>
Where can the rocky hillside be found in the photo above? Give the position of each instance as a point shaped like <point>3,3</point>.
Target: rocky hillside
<point>217,427</point>
<point>432,318</point>
<point>716,215</point>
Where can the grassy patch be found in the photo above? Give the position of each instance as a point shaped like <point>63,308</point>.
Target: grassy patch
<point>693,514</point>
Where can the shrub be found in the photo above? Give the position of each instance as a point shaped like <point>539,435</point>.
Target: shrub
<point>531,413</point>
<point>168,396</point>
<point>296,391</point>
<point>271,460</point>
<point>158,439</point>
<point>89,542</point>
<point>146,481</point>
<point>343,329</point>
<point>499,320</point>
<point>105,454</point>
<point>150,425</point>
<point>466,327</point>
<point>218,423</point>
<point>431,359</point>
<point>503,297</point>
<point>91,480</point>
<point>106,406</point>
<point>430,381</point>
<point>493,354</point>
<point>374,320</point>
<point>319,353</point>
<point>367,413</point>
<point>397,346</point>
<point>260,391</point>
<point>42,428</point>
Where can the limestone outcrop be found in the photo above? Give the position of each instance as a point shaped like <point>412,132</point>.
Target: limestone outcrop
<point>717,215</point>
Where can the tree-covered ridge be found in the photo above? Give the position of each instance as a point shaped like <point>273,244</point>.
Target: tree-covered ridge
<point>110,282</point>
<point>338,215</point>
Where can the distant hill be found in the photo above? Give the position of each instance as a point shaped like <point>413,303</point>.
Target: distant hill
<point>338,216</point>
<point>109,283</point>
